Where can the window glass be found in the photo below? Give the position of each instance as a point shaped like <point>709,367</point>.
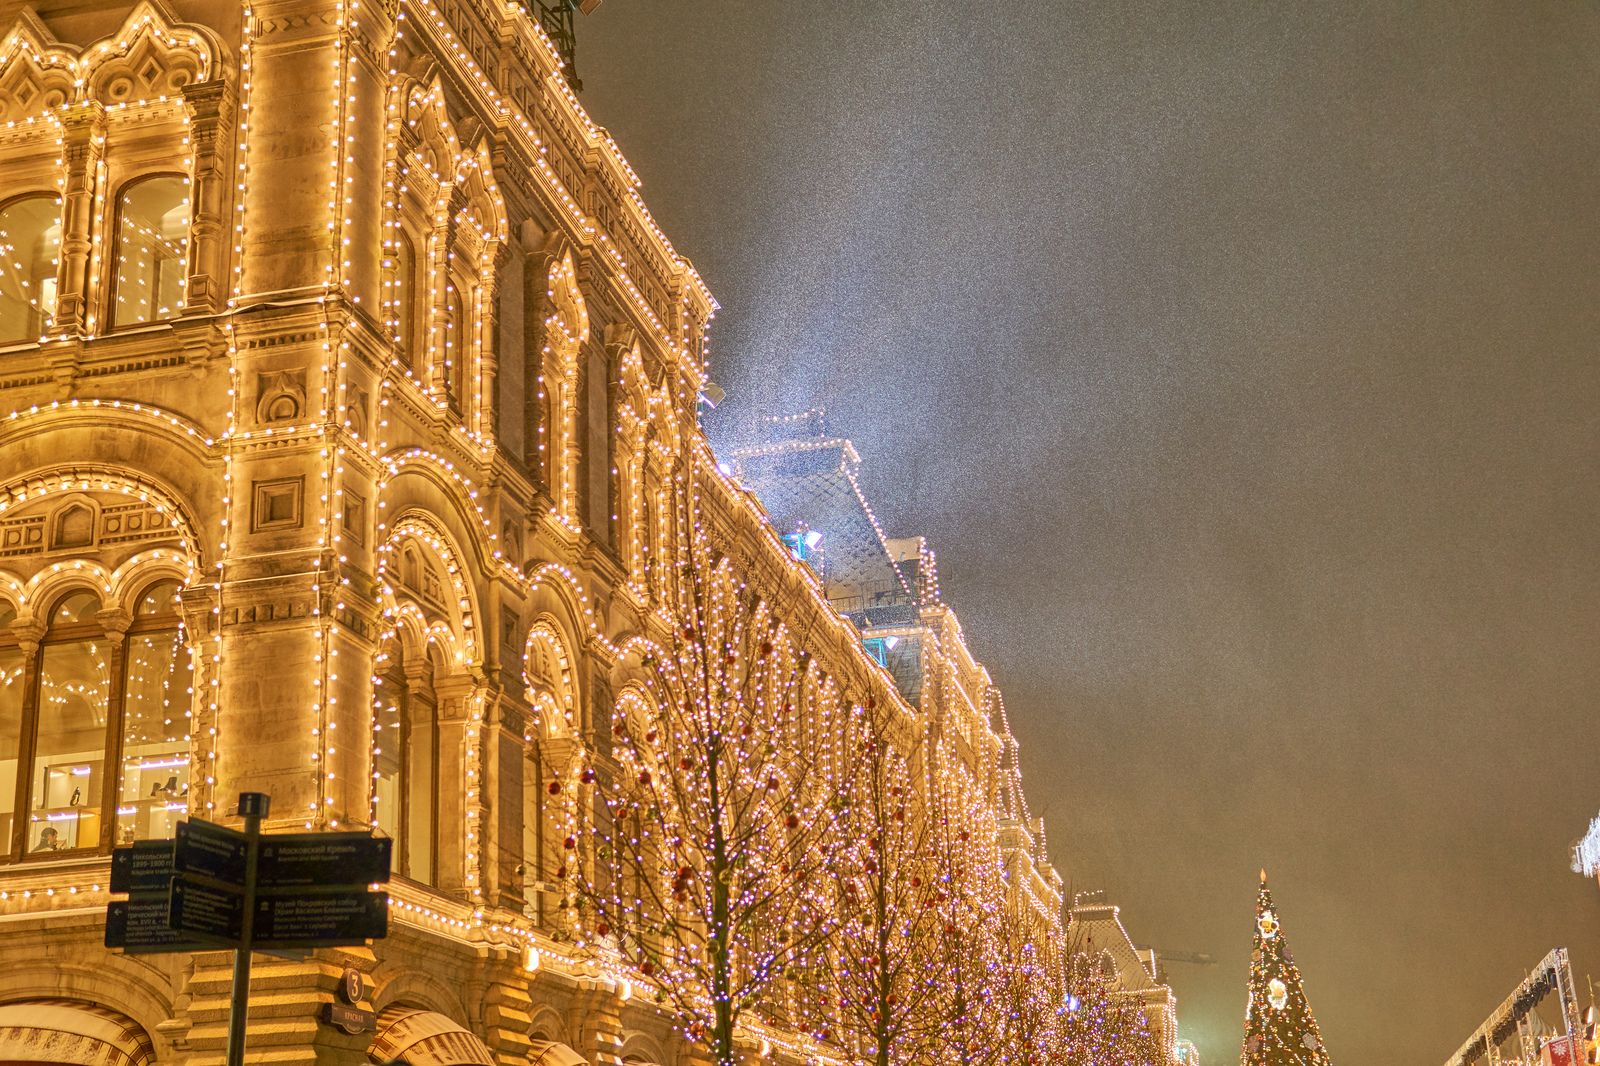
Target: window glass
<point>387,741</point>
<point>455,348</point>
<point>69,755</point>
<point>419,790</point>
<point>163,599</point>
<point>78,607</point>
<point>405,287</point>
<point>30,246</point>
<point>156,713</point>
<point>11,671</point>
<point>152,242</point>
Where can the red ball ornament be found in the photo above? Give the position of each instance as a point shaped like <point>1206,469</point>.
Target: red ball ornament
<point>555,788</point>
<point>570,843</point>
<point>602,929</point>
<point>588,777</point>
<point>644,777</point>
<point>648,968</point>
<point>766,647</point>
<point>561,873</point>
<point>793,821</point>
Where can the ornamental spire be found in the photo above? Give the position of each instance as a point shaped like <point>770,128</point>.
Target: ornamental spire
<point>1279,1029</point>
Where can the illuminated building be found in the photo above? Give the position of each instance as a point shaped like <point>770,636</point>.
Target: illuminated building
<point>888,588</point>
<point>1099,936</point>
<point>349,454</point>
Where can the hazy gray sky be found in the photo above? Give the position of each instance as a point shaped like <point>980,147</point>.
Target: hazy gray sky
<point>1242,361</point>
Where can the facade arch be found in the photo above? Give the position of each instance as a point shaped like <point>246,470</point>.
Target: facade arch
<point>96,665</point>
<point>547,1026</point>
<point>419,563</point>
<point>550,674</point>
<point>397,986</point>
<point>71,1032</point>
<point>156,54</point>
<point>420,483</point>
<point>551,1053</point>
<point>641,1048</point>
<point>426,1038</point>
<point>140,994</point>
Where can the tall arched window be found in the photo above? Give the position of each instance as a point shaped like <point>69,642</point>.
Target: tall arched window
<point>456,348</point>
<point>12,682</point>
<point>406,762</point>
<point>94,730</point>
<point>156,712</point>
<point>403,311</point>
<point>71,727</point>
<point>30,246</point>
<point>152,248</point>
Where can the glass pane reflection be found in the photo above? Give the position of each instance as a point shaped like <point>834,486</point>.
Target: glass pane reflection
<point>152,241</point>
<point>30,246</point>
<point>155,748</point>
<point>11,668</point>
<point>69,756</point>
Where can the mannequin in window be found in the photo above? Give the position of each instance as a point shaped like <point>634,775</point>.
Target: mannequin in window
<point>47,840</point>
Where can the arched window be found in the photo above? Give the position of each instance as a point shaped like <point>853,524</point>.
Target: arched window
<point>30,246</point>
<point>66,786</point>
<point>156,713</point>
<point>406,762</point>
<point>94,731</point>
<point>152,248</point>
<point>404,313</point>
<point>456,348</point>
<point>12,682</point>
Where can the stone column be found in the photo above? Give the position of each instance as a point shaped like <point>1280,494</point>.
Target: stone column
<point>83,137</point>
<point>507,1009</point>
<point>286,998</point>
<point>29,635</point>
<point>594,1019</point>
<point>116,622</point>
<point>503,783</point>
<point>210,106</point>
<point>460,749</point>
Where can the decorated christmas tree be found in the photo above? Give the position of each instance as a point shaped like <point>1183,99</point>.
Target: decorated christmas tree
<point>1278,1027</point>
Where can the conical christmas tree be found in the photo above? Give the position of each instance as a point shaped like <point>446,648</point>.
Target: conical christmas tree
<point>1278,1027</point>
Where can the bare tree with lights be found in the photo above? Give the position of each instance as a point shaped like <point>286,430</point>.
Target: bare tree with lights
<point>897,939</point>
<point>975,919</point>
<point>709,848</point>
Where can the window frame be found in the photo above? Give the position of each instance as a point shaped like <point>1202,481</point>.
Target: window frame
<point>28,745</point>
<point>16,851</point>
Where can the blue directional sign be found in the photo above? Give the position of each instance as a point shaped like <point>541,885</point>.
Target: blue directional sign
<point>211,850</point>
<point>291,859</point>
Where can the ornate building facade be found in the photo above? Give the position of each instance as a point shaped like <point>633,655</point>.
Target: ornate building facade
<point>349,453</point>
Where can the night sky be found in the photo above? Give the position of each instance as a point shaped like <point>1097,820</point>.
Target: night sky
<point>1240,361</point>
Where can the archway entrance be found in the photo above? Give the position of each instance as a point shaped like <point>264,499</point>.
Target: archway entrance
<point>69,1033</point>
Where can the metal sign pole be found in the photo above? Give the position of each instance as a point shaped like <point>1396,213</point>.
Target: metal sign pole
<point>254,807</point>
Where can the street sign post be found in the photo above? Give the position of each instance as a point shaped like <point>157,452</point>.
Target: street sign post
<point>214,888</point>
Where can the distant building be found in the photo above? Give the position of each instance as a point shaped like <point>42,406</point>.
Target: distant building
<point>1097,931</point>
<point>889,591</point>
